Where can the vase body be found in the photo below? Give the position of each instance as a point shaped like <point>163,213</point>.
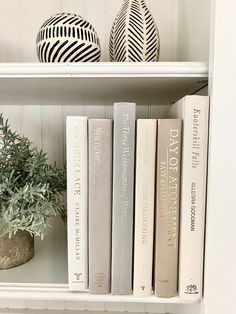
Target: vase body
<point>67,37</point>
<point>16,250</point>
<point>134,35</point>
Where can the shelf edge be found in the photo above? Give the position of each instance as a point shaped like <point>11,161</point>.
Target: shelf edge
<point>104,69</point>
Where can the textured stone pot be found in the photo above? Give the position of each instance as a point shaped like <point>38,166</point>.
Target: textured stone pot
<point>17,250</point>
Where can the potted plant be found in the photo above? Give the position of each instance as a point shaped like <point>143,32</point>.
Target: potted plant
<point>30,192</point>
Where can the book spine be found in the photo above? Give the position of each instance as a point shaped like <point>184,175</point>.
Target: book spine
<point>123,189</point>
<point>167,207</point>
<point>76,137</point>
<point>144,206</point>
<point>195,111</point>
<point>100,198</point>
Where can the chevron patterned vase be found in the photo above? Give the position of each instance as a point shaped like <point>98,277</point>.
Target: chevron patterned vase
<point>67,37</point>
<point>134,35</point>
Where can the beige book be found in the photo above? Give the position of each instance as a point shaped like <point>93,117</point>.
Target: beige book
<point>144,206</point>
<point>167,207</point>
<point>194,111</point>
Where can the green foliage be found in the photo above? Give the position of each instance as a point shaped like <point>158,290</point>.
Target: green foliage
<point>31,190</point>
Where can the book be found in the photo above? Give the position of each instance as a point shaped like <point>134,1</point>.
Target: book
<point>144,206</point>
<point>100,202</point>
<point>76,144</point>
<point>194,110</point>
<point>167,207</point>
<point>123,198</point>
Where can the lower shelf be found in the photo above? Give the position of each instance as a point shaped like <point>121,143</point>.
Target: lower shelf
<point>41,284</point>
<point>61,293</point>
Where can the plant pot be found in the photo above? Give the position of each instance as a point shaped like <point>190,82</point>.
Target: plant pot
<point>16,250</point>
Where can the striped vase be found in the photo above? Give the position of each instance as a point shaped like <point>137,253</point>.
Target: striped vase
<point>134,35</point>
<point>67,37</point>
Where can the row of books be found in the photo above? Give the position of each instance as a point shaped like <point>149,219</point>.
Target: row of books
<point>136,201</point>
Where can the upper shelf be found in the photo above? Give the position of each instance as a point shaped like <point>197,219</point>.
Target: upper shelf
<point>159,83</point>
<point>103,69</point>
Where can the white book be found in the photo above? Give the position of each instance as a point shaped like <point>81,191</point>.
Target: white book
<point>77,234</point>
<point>194,110</point>
<point>144,206</point>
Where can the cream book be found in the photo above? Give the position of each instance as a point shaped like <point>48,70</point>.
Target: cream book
<point>167,207</point>
<point>194,110</point>
<point>144,206</point>
<point>76,144</point>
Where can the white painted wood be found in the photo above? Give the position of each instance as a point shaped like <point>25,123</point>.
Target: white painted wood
<point>73,6</point>
<point>193,30</point>
<point>31,123</point>
<point>10,31</point>
<point>156,308</point>
<point>183,308</point>
<point>96,14</point>
<point>165,16</point>
<point>13,114</point>
<point>59,292</point>
<point>52,133</point>
<point>103,69</point>
<point>31,20</point>
<point>220,257</point>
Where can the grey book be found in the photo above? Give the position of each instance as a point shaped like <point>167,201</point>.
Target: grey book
<point>123,197</point>
<point>167,207</point>
<point>100,202</point>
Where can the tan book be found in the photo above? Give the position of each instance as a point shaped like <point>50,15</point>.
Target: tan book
<point>144,206</point>
<point>167,207</point>
<point>194,111</point>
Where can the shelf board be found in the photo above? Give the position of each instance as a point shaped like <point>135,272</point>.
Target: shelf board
<point>62,293</point>
<point>103,69</point>
<point>159,83</point>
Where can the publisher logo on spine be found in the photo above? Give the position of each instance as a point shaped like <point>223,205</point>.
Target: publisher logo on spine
<point>191,289</point>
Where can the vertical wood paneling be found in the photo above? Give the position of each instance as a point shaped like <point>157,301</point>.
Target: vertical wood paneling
<point>142,112</point>
<point>13,114</point>
<point>51,7</point>
<point>163,15</point>
<point>156,308</point>
<point>21,19</point>
<point>52,132</point>
<point>74,306</point>
<point>10,31</point>
<point>73,6</point>
<point>97,17</point>
<point>32,18</point>
<point>31,122</point>
<point>113,7</point>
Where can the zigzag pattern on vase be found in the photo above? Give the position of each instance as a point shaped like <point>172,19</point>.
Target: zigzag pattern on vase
<point>68,37</point>
<point>134,34</point>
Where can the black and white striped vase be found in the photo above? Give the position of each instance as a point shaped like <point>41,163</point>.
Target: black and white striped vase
<point>134,35</point>
<point>67,37</point>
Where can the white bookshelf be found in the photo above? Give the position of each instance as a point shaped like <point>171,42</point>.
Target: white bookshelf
<point>37,97</point>
<point>105,70</point>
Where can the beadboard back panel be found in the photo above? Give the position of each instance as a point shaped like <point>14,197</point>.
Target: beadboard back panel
<point>21,19</point>
<point>45,124</point>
